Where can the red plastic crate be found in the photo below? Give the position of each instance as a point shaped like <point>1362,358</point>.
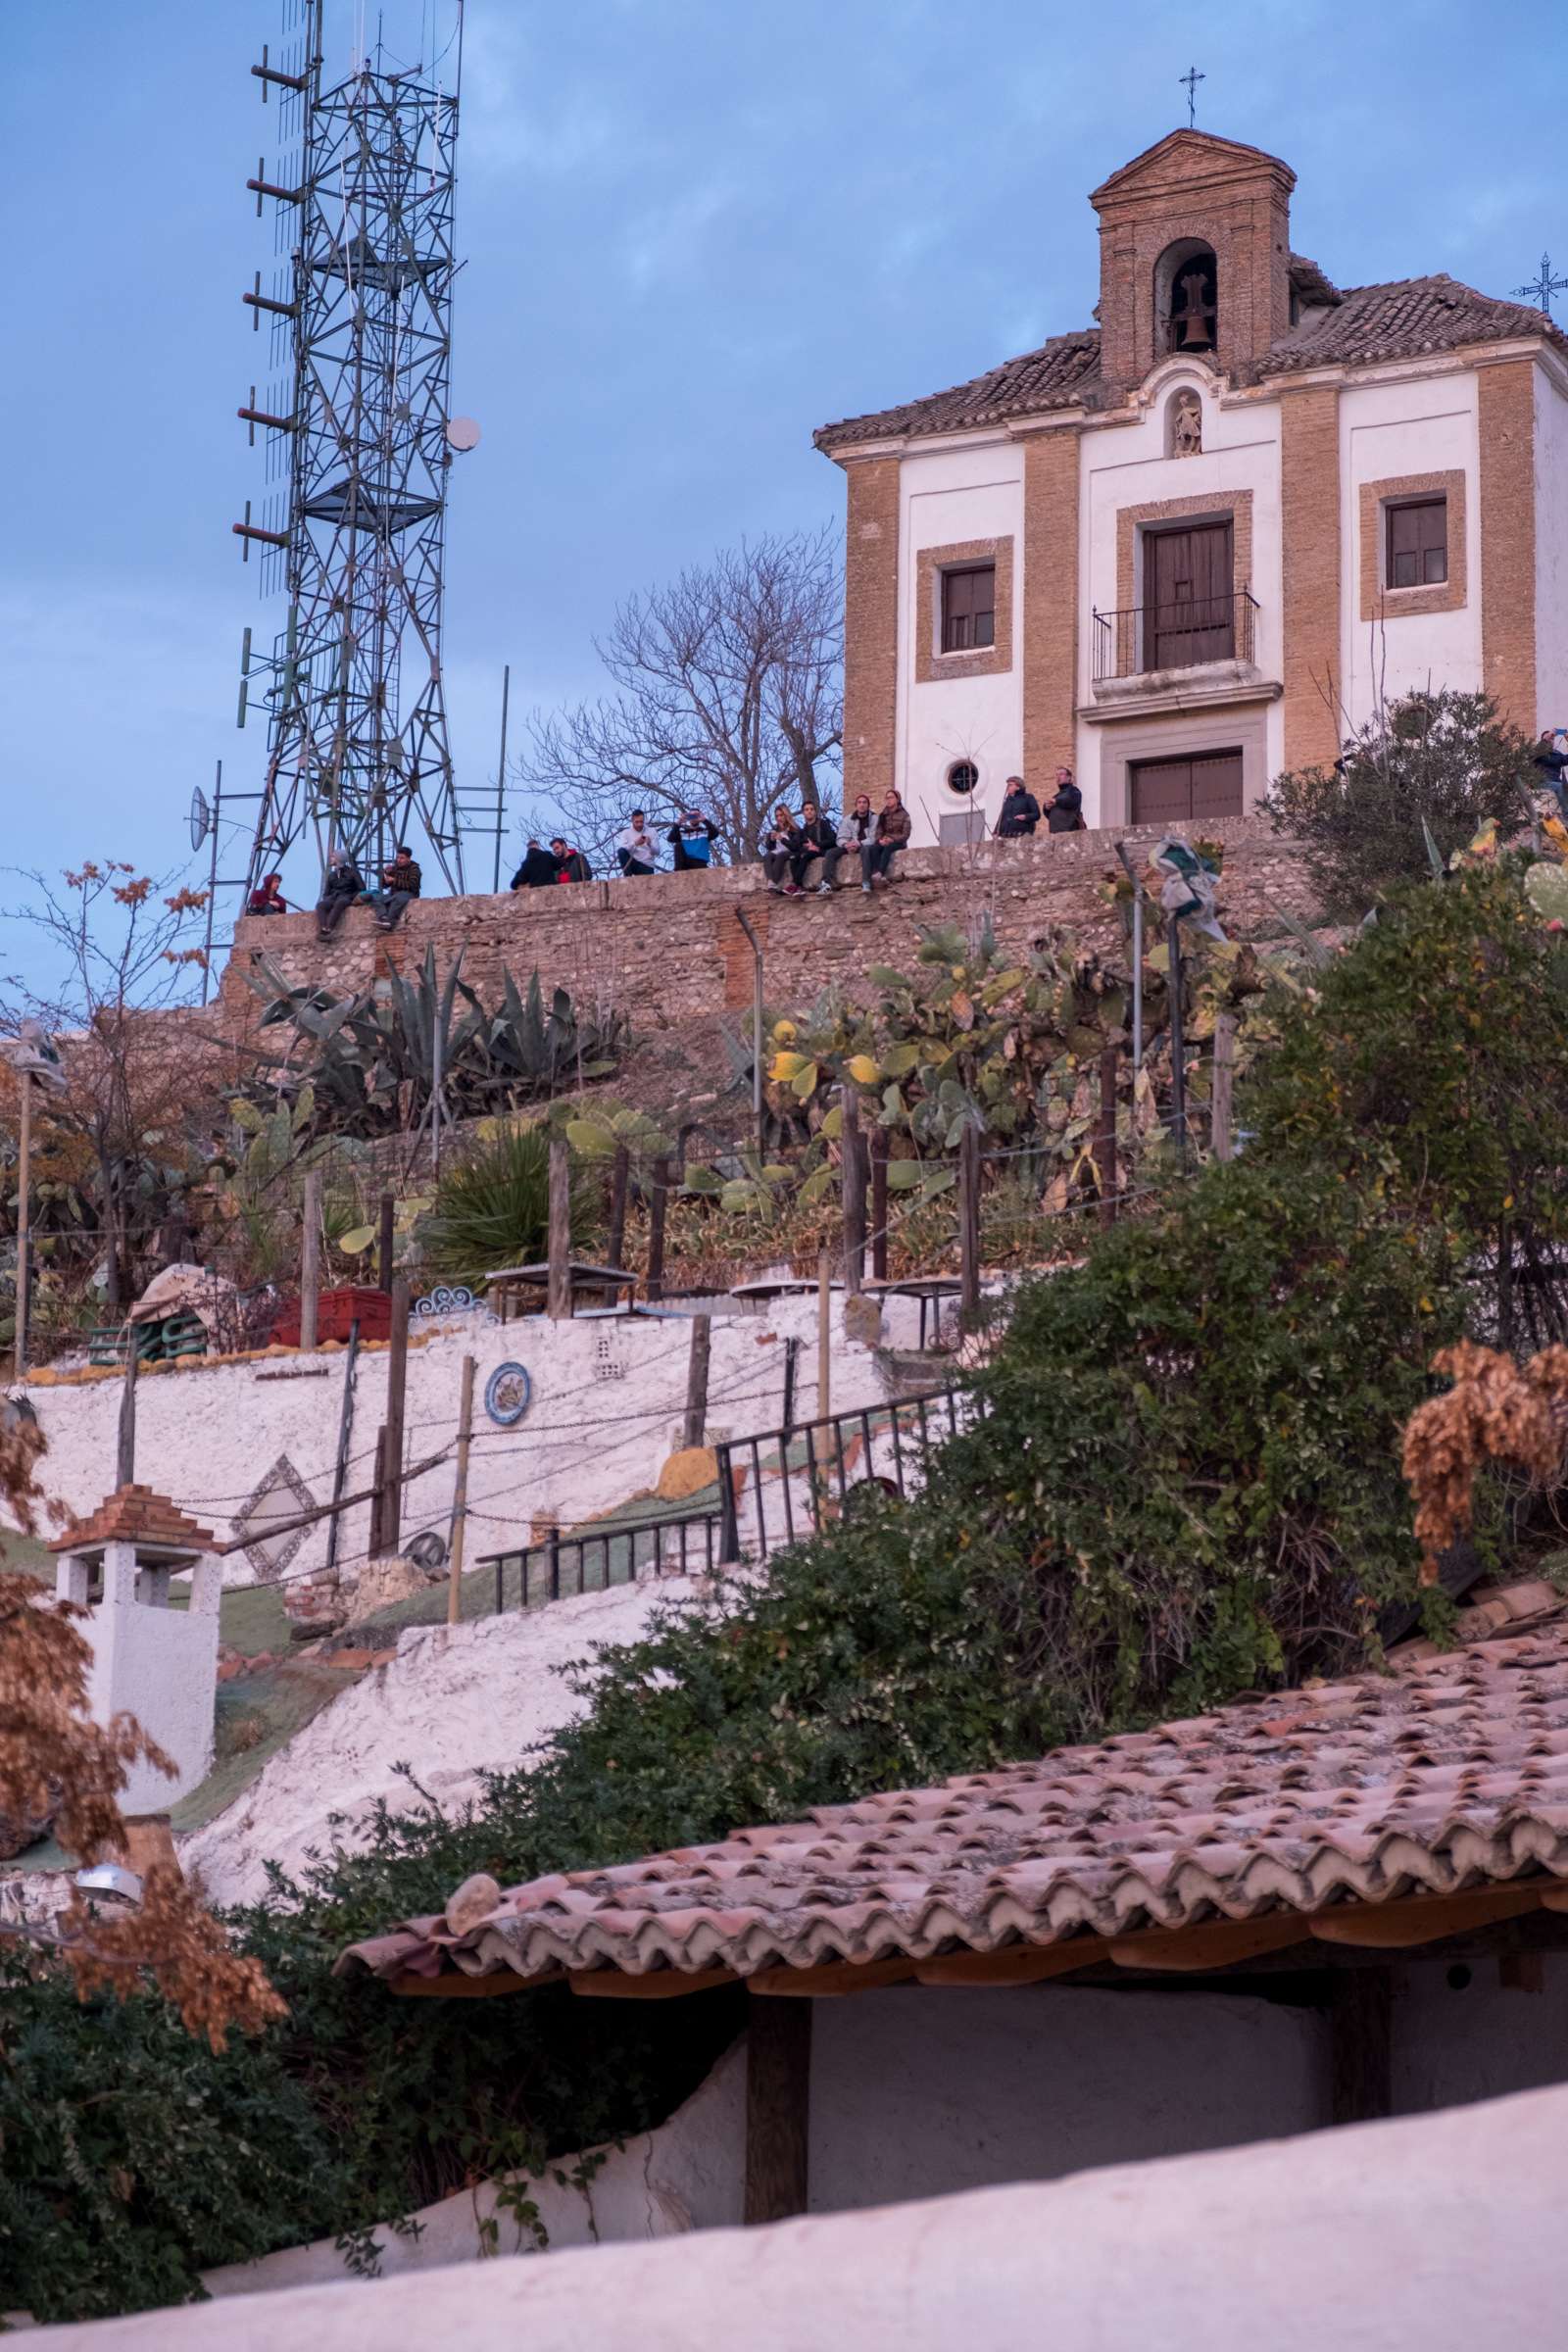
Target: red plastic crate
<point>335,1311</point>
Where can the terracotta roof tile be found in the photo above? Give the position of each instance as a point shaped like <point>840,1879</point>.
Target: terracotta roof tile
<point>135,1515</point>
<point>1444,1774</point>
<point>1051,378</point>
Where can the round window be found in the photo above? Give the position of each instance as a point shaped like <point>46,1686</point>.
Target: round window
<point>962,777</point>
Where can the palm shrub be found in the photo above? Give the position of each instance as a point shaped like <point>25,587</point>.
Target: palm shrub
<point>492,1207</point>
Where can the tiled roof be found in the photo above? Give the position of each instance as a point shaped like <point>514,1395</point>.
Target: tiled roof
<point>137,1515</point>
<point>1051,378</point>
<point>1400,321</point>
<point>1449,1773</point>
<point>1403,319</point>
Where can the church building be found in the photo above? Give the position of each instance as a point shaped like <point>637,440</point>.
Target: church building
<point>1195,544</point>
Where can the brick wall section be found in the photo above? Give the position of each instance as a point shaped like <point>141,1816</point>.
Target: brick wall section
<point>1049,603</point>
<point>1378,600</point>
<point>871,626</point>
<point>1508,422</point>
<point>670,947</point>
<point>1309,496</point>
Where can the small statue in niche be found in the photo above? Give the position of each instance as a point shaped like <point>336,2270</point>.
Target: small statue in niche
<point>1187,425</point>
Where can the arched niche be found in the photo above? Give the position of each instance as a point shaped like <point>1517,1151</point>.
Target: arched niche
<point>1187,298</point>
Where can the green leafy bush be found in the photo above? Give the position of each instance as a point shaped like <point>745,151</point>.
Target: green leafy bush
<point>492,1209</point>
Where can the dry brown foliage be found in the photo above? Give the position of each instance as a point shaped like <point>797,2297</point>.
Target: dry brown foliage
<point>1495,1411</point>
<point>54,1759</point>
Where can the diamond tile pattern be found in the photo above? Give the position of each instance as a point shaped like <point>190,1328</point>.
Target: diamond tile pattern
<point>1449,1773</point>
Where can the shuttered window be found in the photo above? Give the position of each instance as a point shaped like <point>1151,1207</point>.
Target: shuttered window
<point>968,609</point>
<point>1418,544</point>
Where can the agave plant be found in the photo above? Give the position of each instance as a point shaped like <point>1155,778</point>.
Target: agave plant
<point>372,1059</point>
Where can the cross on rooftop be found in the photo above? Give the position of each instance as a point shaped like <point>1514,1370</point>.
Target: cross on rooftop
<point>1190,82</point>
<point>1545,286</point>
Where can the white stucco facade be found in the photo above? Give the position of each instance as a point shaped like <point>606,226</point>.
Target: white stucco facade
<point>150,1660</point>
<point>1421,421</point>
<point>1551,546</point>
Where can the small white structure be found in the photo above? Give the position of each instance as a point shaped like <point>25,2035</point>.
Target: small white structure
<point>151,1658</point>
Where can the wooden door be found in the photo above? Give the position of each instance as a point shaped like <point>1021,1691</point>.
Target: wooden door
<point>1163,792</point>
<point>1189,605</point>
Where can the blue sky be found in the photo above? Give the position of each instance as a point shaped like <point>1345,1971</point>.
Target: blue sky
<point>694,229</point>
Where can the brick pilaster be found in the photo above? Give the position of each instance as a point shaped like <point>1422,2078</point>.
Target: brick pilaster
<point>1049,603</point>
<point>1309,571</point>
<point>1507,423</point>
<point>870,627</point>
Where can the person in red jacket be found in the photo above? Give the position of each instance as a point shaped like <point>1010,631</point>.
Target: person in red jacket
<point>269,899</point>
<point>570,864</point>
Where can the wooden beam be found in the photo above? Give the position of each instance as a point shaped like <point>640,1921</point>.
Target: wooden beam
<point>656,1985</point>
<point>1215,1943</point>
<point>1362,2047</point>
<point>832,1977</point>
<point>452,1985</point>
<point>1015,1964</point>
<point>1419,1919</point>
<point>778,2100</point>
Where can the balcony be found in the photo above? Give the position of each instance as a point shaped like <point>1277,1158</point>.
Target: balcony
<point>1140,649</point>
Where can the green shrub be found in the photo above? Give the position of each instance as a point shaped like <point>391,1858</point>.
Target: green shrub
<point>492,1209</point>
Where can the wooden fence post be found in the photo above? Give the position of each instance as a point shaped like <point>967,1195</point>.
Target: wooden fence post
<point>383,1276</point>
<point>397,1378</point>
<point>658,1199</point>
<point>126,1449</point>
<point>696,1381</point>
<point>558,1295</point>
<point>310,1258</point>
<point>1224,1083</point>
<point>879,1203</point>
<point>824,1335</point>
<point>852,1173</point>
<point>1178,1042</point>
<point>1105,1139</point>
<point>619,1180</point>
<point>969,1221</point>
<point>459,1498</point>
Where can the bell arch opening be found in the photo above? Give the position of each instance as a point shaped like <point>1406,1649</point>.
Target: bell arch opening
<point>1187,297</point>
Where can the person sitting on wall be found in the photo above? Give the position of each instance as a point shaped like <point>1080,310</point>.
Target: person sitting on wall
<point>859,834</point>
<point>692,838</point>
<point>538,867</point>
<point>269,899</point>
<point>1064,810</point>
<point>636,852</point>
<point>570,864</point>
<point>400,883</point>
<point>892,835</point>
<point>780,842</point>
<point>818,838</point>
<point>344,884</point>
<point>1020,811</point>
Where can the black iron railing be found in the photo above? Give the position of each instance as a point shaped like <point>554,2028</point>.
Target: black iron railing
<point>1178,636</point>
<point>780,1488</point>
<point>560,1567</point>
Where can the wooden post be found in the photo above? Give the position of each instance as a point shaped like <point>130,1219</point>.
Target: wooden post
<point>620,1181</point>
<point>969,1221</point>
<point>852,1173</point>
<point>310,1258</point>
<point>23,1187</point>
<point>879,1203</point>
<point>125,1453</point>
<point>397,1375</point>
<point>1361,2046</point>
<point>558,1295</point>
<point>1224,1077</point>
<point>824,1335</point>
<point>658,1199</point>
<point>460,1496</point>
<point>378,1498</point>
<point>696,1381</point>
<point>1105,1139</point>
<point>1178,1042</point>
<point>345,1430</point>
<point>778,2103</point>
<point>383,1276</point>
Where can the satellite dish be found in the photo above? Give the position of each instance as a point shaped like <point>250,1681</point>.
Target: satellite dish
<point>463,433</point>
<point>201,818</point>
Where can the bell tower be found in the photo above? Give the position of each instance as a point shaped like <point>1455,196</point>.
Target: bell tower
<point>1195,245</point>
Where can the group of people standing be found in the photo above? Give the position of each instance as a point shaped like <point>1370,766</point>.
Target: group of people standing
<point>1021,812</point>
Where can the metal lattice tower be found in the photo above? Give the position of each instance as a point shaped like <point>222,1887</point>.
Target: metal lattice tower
<point>358,443</point>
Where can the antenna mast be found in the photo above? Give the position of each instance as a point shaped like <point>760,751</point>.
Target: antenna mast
<point>359,442</point>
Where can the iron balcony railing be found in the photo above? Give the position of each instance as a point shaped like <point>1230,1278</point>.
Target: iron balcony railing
<point>560,1567</point>
<point>1153,637</point>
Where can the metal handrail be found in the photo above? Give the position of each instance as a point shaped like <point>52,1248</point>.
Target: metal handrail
<point>815,1467</point>
<point>1121,638</point>
<point>617,1554</point>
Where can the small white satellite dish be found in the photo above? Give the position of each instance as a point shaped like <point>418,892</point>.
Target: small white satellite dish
<point>201,818</point>
<point>463,432</point>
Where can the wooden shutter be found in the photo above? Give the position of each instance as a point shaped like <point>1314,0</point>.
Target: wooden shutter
<point>1167,790</point>
<point>968,609</point>
<point>1418,544</point>
<point>1190,611</point>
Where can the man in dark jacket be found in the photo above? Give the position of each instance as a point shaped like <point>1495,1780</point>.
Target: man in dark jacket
<point>692,839</point>
<point>399,884</point>
<point>1064,810</point>
<point>537,870</point>
<point>344,884</point>
<point>570,864</point>
<point>1020,811</point>
<point>817,837</point>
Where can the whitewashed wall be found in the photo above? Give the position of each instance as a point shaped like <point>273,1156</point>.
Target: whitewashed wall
<point>947,496</point>
<point>609,1401</point>
<point>1425,423</point>
<point>1552,547</point>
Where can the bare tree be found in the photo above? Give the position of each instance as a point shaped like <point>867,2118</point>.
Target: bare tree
<point>728,695</point>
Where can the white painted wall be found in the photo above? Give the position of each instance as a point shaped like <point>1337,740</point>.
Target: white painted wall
<point>1423,425</point>
<point>1443,2233</point>
<point>1126,465</point>
<point>609,1400</point>
<point>947,496</point>
<point>1552,547</point>
<point>157,1663</point>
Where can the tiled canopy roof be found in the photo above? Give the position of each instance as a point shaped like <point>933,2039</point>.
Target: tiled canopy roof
<point>1449,1774</point>
<point>137,1515</point>
<point>1400,321</point>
